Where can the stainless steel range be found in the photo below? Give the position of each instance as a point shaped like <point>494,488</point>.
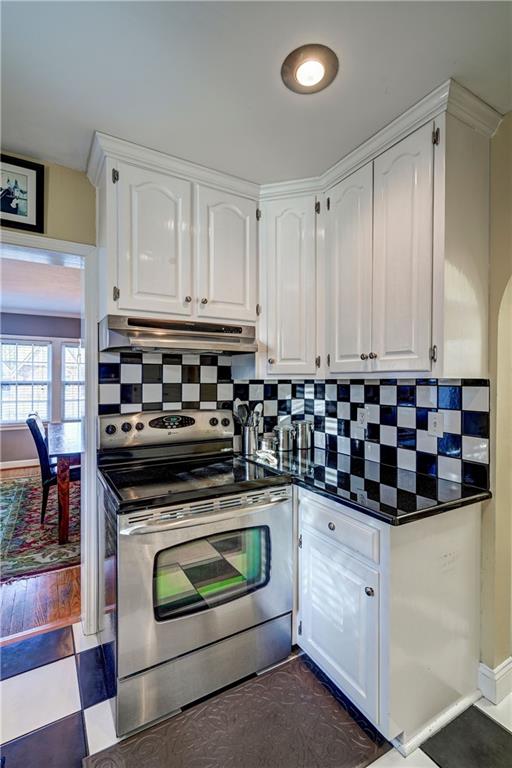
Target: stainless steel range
<point>197,546</point>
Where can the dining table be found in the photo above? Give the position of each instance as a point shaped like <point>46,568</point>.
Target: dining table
<point>65,443</point>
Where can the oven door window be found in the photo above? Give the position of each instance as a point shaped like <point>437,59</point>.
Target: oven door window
<point>207,572</point>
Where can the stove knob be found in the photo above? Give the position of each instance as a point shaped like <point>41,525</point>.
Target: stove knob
<point>225,422</point>
<point>126,426</point>
<point>139,425</point>
<point>214,421</point>
<point>110,429</point>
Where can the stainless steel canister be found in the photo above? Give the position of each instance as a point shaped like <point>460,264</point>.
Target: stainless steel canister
<point>285,434</point>
<point>249,440</point>
<point>303,435</point>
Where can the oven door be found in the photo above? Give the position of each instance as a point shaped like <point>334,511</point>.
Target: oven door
<point>187,582</point>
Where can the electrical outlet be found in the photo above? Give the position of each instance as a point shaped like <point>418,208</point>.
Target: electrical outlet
<point>362,417</point>
<point>362,497</point>
<point>436,423</point>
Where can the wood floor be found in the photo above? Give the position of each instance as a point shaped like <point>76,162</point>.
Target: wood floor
<point>49,600</point>
<point>38,601</point>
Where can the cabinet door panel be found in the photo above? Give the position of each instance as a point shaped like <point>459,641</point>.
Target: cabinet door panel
<point>290,254</point>
<point>340,622</point>
<point>349,287</point>
<point>227,259</point>
<point>402,260</point>
<point>154,270</point>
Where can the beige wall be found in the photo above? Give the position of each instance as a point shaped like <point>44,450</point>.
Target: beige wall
<point>70,208</point>
<point>497,517</point>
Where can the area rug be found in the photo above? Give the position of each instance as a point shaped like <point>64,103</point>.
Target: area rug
<point>290,717</point>
<point>26,547</point>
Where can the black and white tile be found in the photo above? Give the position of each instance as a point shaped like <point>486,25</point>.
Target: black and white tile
<point>397,410</point>
<point>55,688</point>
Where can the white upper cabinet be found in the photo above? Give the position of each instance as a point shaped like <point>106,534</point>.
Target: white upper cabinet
<point>288,250</point>
<point>349,272</point>
<point>154,247</point>
<point>227,256</point>
<point>402,255</point>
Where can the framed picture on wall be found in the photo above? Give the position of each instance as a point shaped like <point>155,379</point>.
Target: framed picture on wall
<point>21,194</point>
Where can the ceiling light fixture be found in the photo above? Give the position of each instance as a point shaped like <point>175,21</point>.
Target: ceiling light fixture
<point>310,68</point>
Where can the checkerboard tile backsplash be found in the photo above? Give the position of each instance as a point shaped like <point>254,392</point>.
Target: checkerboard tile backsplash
<point>397,410</point>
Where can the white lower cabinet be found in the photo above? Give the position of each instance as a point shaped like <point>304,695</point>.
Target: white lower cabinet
<point>391,613</point>
<point>340,618</point>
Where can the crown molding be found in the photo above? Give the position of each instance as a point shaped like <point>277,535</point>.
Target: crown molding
<point>449,97</point>
<point>104,146</point>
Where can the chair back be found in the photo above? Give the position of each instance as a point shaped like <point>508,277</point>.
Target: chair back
<point>36,427</point>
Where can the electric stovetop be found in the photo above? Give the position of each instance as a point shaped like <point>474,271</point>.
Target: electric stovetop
<point>170,481</point>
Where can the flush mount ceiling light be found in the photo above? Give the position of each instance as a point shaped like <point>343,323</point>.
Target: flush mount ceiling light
<point>310,68</point>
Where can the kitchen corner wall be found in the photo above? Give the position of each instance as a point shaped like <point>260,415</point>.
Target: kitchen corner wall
<point>396,434</point>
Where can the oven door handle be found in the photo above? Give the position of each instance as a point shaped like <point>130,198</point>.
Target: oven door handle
<point>198,519</point>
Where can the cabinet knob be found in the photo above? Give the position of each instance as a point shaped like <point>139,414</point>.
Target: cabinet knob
<point>369,591</point>
<point>271,361</point>
<point>363,356</point>
<point>372,355</point>
<point>204,301</point>
<point>188,299</point>
<point>331,526</point>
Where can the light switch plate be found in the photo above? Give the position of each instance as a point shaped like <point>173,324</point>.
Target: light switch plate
<point>436,423</point>
<point>362,417</point>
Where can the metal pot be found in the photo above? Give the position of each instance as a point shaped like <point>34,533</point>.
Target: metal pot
<point>285,435</point>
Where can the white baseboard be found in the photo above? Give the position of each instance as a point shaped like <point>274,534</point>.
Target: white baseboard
<point>446,716</point>
<point>20,463</point>
<point>496,683</point>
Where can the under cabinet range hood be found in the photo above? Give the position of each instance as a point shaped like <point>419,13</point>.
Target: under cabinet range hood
<point>120,333</point>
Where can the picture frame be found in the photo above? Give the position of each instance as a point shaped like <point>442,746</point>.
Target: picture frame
<point>21,194</point>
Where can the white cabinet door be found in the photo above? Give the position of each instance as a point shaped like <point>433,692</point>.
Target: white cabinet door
<point>402,255</point>
<point>339,620</point>
<point>289,252</point>
<point>227,256</point>
<point>349,273</point>
<point>154,249</point>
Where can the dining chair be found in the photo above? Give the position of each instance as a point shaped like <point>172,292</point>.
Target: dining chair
<point>48,470</point>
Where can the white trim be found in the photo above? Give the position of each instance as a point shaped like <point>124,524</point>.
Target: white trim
<point>104,145</point>
<point>446,716</point>
<point>52,250</point>
<point>448,97</point>
<point>496,683</point>
<point>27,240</point>
<point>19,463</point>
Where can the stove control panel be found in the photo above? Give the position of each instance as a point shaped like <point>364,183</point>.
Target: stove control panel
<point>163,427</point>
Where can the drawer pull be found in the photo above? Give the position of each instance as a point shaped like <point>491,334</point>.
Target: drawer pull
<point>369,591</point>
<point>331,526</point>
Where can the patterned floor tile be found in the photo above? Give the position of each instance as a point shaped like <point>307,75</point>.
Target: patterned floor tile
<point>38,697</point>
<point>95,678</point>
<point>59,745</point>
<point>35,652</point>
<point>100,729</point>
<point>83,642</point>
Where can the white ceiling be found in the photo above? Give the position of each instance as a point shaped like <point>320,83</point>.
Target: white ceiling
<point>38,288</point>
<point>202,80</point>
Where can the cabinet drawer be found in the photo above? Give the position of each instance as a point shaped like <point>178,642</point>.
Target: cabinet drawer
<point>342,529</point>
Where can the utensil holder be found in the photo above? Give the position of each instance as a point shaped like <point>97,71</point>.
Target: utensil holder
<point>249,440</point>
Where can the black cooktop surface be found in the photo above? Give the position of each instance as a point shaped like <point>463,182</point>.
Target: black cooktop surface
<point>139,485</point>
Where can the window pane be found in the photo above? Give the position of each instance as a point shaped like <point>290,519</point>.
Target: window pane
<point>207,572</point>
<point>23,364</point>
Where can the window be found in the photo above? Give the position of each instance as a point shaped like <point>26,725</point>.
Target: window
<point>25,381</point>
<point>73,375</point>
<point>211,571</point>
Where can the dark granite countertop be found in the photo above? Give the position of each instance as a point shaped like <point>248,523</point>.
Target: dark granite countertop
<point>394,495</point>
